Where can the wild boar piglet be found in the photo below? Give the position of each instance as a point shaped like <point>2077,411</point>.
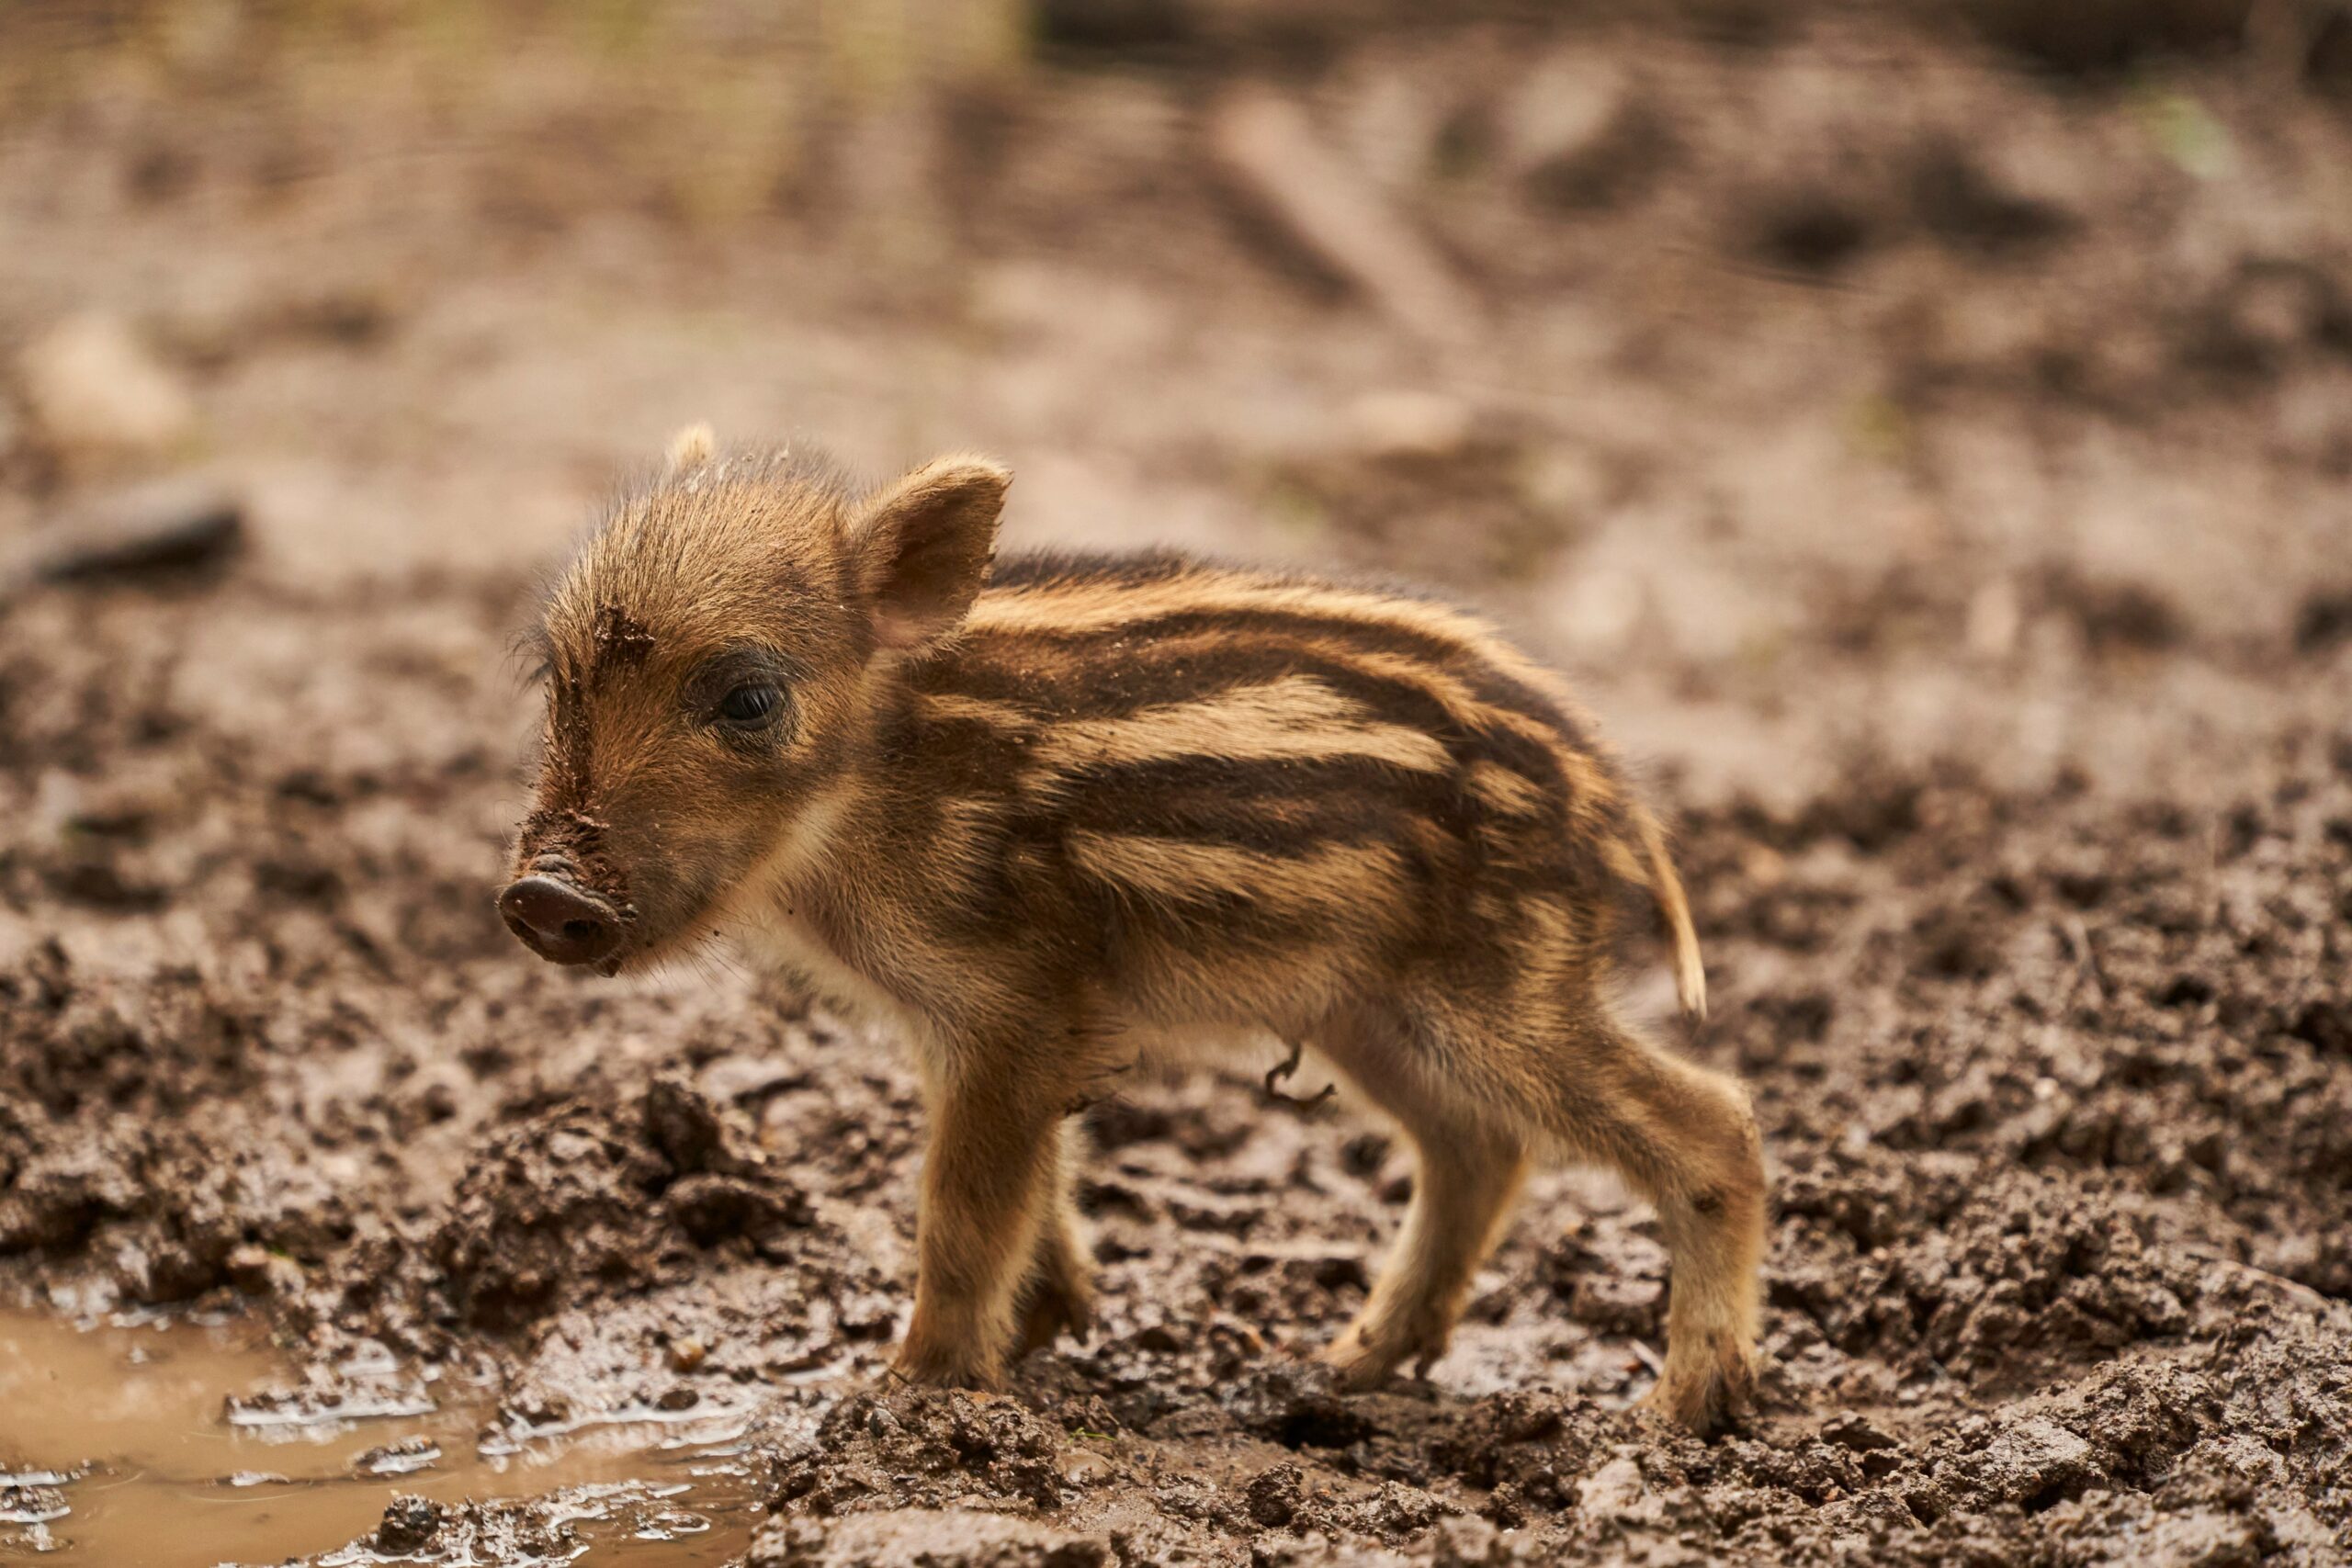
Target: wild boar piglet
<point>1046,816</point>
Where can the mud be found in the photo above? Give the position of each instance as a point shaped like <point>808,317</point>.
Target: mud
<point>1933,468</point>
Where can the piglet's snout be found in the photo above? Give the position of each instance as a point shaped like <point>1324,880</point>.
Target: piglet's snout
<point>560,921</point>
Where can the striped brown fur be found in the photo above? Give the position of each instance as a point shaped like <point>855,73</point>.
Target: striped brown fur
<point>1052,816</point>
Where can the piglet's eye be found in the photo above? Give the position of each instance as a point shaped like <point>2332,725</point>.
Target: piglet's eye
<point>752,705</point>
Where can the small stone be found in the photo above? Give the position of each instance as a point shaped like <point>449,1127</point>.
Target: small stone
<point>2034,1458</point>
<point>685,1355</point>
<point>279,1276</point>
<point>1273,1498</point>
<point>683,1125</point>
<point>1083,1468</point>
<point>1465,1540</point>
<point>1563,111</point>
<point>439,1101</point>
<point>1581,135</point>
<point>410,1524</point>
<point>1406,424</point>
<point>403,1458</point>
<point>1618,1490</point>
<point>92,387</point>
<point>249,1267</point>
<point>172,525</point>
<point>678,1398</point>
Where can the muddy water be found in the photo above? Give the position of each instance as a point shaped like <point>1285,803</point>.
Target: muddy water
<point>129,1444</point>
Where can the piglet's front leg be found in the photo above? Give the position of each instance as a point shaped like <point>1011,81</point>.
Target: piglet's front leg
<point>1057,1296</point>
<point>988,1191</point>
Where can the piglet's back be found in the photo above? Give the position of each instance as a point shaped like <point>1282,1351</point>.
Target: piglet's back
<point>1238,760</point>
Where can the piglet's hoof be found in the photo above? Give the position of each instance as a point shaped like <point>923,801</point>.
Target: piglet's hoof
<point>1707,1393</point>
<point>942,1369</point>
<point>1054,1312</point>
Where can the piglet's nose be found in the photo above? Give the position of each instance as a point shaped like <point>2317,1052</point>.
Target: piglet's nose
<point>558,922</point>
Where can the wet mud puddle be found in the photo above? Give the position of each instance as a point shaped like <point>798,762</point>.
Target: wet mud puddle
<point>131,1444</point>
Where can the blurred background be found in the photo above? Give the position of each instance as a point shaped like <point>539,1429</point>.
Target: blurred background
<point>1921,428</point>
<point>1891,353</point>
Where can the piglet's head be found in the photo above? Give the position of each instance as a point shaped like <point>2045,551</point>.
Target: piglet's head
<point>712,661</point>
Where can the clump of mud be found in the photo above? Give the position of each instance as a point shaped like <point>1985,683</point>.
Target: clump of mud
<point>588,1196</point>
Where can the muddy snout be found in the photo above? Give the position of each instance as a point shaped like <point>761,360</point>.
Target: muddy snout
<point>558,920</point>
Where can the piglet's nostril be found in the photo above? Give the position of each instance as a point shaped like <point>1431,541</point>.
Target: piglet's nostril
<point>560,921</point>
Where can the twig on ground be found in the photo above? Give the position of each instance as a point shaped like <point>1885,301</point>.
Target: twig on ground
<point>1269,145</point>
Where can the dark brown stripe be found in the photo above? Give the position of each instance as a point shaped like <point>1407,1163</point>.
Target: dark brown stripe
<point>1460,660</point>
<point>1078,568</point>
<point>1063,683</point>
<point>1291,808</point>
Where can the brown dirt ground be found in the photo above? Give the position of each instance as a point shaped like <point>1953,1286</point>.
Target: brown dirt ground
<point>1936,465</point>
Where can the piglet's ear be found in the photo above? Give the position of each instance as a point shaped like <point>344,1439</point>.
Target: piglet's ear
<point>922,547</point>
